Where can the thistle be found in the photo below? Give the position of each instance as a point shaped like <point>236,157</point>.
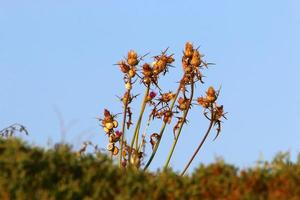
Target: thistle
<point>128,143</point>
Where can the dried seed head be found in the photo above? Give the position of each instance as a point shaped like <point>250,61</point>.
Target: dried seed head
<point>132,61</point>
<point>166,97</point>
<point>203,102</point>
<point>219,112</point>
<point>183,103</point>
<point>132,54</point>
<point>189,50</point>
<point>111,138</point>
<point>147,70</point>
<point>196,59</point>
<point>187,78</point>
<point>132,58</point>
<point>109,125</point>
<point>110,146</point>
<point>160,66</point>
<point>161,63</point>
<point>170,59</point>
<point>211,94</point>
<point>128,86</point>
<point>147,80</point>
<point>115,123</point>
<point>211,91</point>
<point>132,72</point>
<point>123,66</point>
<point>153,139</point>
<point>188,69</point>
<point>106,130</point>
<point>115,151</point>
<point>168,116</point>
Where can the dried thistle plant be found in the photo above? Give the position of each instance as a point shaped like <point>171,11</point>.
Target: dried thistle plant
<point>166,107</point>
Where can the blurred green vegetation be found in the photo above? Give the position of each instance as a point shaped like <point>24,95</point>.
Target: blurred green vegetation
<point>29,173</point>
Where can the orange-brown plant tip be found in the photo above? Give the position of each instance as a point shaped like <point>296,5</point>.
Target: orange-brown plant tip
<point>146,67</point>
<point>147,70</point>
<point>219,112</point>
<point>211,91</point>
<point>132,54</point>
<point>106,113</point>
<point>123,66</point>
<point>132,58</point>
<point>168,117</point>
<point>166,97</point>
<point>203,102</point>
<point>196,59</point>
<point>160,64</point>
<point>188,50</point>
<point>132,61</point>
<point>170,59</point>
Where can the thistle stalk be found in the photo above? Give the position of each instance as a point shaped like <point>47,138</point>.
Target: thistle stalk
<point>201,143</point>
<point>185,113</point>
<point>162,131</point>
<point>123,129</point>
<point>137,128</point>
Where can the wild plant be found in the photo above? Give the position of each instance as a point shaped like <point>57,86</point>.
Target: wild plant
<point>164,106</point>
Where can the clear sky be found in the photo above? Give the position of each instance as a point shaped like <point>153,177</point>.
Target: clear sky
<point>58,56</point>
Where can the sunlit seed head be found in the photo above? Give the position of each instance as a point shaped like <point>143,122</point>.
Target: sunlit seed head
<point>109,125</point>
<point>131,73</point>
<point>128,86</point>
<point>115,123</point>
<point>115,151</point>
<point>110,146</point>
<point>106,130</point>
<point>132,54</point>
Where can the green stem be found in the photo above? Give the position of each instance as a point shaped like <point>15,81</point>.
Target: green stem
<point>137,128</point>
<point>201,143</point>
<point>185,113</point>
<point>161,131</point>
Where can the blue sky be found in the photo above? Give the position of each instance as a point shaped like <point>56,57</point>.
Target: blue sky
<point>59,56</point>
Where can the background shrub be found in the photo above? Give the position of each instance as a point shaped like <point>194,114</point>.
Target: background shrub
<point>28,172</point>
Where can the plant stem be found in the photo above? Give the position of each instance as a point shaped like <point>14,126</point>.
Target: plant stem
<point>123,128</point>
<point>185,113</point>
<point>137,128</point>
<point>161,131</point>
<point>144,134</point>
<point>201,143</point>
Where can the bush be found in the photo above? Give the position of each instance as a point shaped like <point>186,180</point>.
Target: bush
<point>29,172</point>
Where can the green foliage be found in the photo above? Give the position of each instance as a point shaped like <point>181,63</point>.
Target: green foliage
<point>28,172</point>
